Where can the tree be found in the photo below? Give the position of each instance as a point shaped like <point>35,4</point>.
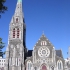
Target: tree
<point>3,8</point>
<point>2,45</point>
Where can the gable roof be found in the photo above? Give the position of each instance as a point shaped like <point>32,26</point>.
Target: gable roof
<point>58,53</point>
<point>43,38</point>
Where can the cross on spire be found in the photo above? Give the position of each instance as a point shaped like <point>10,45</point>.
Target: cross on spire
<point>43,32</point>
<point>18,10</point>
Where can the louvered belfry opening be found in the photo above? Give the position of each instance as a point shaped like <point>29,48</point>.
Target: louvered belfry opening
<point>14,33</point>
<point>18,32</point>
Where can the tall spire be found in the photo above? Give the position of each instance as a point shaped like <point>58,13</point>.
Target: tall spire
<point>18,18</point>
<point>18,10</point>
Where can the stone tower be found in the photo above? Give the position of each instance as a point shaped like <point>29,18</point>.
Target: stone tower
<point>16,49</point>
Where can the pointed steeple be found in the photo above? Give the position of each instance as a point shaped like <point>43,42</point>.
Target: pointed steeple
<point>18,10</point>
<point>18,14</point>
<point>17,20</point>
<point>17,33</point>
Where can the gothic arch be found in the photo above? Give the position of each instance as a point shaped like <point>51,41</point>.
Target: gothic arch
<point>59,65</point>
<point>43,67</point>
<point>16,20</point>
<point>28,65</point>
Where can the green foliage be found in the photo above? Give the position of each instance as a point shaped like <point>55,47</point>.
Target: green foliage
<point>2,45</point>
<point>2,7</point>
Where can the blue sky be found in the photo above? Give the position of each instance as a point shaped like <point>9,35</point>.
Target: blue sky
<point>50,16</point>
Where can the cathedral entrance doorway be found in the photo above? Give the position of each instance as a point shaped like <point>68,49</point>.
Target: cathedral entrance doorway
<point>44,67</point>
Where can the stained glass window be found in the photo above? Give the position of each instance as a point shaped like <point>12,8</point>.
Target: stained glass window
<point>29,65</point>
<point>59,65</point>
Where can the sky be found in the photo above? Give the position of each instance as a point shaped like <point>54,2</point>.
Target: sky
<point>50,16</point>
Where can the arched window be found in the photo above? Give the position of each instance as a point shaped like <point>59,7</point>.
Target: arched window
<point>16,20</point>
<point>18,32</point>
<point>29,65</point>
<point>14,33</point>
<point>59,65</point>
<point>43,43</point>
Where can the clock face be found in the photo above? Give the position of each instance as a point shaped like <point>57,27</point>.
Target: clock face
<point>43,52</point>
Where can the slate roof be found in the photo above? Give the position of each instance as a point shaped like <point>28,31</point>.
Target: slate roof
<point>29,53</point>
<point>59,53</point>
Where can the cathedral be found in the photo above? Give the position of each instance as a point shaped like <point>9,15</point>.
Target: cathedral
<point>18,57</point>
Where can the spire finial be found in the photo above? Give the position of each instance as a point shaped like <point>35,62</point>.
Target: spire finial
<point>43,32</point>
<point>19,0</point>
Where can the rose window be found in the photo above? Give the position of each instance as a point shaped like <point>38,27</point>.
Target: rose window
<point>43,52</point>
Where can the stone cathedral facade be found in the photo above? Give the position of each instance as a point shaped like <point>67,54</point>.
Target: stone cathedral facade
<point>42,57</point>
